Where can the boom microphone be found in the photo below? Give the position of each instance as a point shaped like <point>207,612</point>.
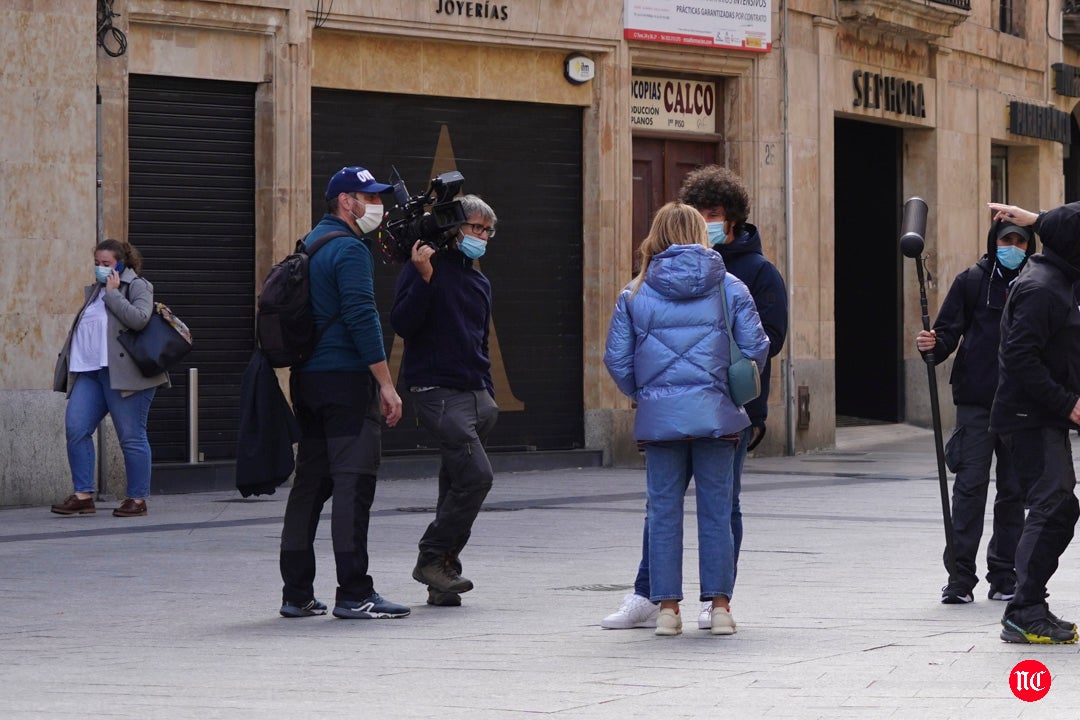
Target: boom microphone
<point>912,233</point>
<point>913,228</point>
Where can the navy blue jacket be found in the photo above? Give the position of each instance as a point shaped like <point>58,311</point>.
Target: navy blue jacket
<point>972,311</point>
<point>1039,360</point>
<point>444,324</point>
<point>744,259</point>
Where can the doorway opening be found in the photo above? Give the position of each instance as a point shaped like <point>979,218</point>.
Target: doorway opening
<point>867,271</point>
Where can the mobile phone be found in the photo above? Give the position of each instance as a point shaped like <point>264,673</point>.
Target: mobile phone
<point>119,268</point>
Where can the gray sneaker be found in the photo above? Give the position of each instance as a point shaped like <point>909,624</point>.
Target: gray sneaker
<point>311,608</point>
<point>442,576</point>
<point>370,608</point>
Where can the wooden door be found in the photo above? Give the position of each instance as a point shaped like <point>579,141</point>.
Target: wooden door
<point>659,168</point>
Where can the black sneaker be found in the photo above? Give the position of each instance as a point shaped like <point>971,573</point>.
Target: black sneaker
<point>370,608</point>
<point>314,607</point>
<point>955,595</point>
<point>1003,592</point>
<point>1038,631</point>
<point>1063,624</point>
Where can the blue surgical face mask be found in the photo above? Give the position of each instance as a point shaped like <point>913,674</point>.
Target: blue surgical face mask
<point>1010,256</point>
<point>102,273</point>
<point>717,236</point>
<point>473,247</point>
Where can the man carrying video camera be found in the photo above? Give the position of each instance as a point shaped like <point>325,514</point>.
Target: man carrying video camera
<point>442,310</point>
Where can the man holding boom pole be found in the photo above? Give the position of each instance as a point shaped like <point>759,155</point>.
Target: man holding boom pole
<point>972,311</point>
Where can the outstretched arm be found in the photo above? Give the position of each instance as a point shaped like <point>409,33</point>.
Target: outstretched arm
<point>1013,214</point>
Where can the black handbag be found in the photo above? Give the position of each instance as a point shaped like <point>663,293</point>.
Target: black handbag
<point>161,344</point>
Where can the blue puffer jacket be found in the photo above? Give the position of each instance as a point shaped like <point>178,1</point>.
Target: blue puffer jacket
<point>667,346</point>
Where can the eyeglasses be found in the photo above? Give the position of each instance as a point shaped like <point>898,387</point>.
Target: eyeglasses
<point>478,228</point>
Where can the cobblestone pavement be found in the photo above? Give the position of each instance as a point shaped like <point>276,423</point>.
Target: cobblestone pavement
<point>174,615</point>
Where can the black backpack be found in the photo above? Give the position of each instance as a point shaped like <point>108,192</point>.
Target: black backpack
<point>284,323</point>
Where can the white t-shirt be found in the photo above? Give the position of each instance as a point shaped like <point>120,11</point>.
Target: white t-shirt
<point>90,343</point>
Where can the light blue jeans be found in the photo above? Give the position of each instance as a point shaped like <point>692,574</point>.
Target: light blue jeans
<point>91,398</point>
<point>667,472</point>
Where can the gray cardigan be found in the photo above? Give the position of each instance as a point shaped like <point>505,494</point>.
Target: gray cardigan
<point>128,308</point>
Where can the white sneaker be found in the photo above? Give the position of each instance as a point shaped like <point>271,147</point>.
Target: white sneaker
<point>636,612</point>
<point>722,622</point>
<point>668,623</point>
<point>704,618</point>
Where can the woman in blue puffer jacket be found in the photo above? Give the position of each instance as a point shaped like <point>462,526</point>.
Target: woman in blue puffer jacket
<point>668,349</point>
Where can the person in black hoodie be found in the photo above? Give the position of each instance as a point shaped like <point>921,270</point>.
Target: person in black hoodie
<point>1036,405</point>
<point>442,310</point>
<point>970,319</point>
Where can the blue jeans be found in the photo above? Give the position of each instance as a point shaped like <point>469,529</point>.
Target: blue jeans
<point>668,470</point>
<point>641,582</point>
<point>91,398</point>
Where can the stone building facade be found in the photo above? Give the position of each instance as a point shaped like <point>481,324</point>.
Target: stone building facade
<point>207,142</point>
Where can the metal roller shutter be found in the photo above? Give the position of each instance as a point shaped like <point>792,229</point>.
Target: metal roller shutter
<point>192,216</point>
<point>525,159</point>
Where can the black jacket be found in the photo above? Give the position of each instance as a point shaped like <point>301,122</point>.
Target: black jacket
<point>970,318</point>
<point>268,429</point>
<point>444,324</point>
<point>1039,361</point>
<point>744,259</point>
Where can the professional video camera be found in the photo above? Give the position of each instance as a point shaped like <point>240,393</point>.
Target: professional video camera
<point>409,220</point>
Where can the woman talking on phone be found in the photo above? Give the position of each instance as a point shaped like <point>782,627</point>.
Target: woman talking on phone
<point>100,378</point>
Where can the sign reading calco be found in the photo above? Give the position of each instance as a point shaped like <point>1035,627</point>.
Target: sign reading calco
<point>672,105</point>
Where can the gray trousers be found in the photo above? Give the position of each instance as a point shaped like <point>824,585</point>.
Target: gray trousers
<point>459,420</point>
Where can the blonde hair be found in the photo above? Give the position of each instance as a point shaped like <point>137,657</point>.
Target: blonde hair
<point>674,224</point>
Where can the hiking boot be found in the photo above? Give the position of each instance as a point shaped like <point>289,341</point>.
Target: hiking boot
<point>74,505</point>
<point>308,609</point>
<point>636,612</point>
<point>442,599</point>
<point>668,622</point>
<point>1036,629</point>
<point>956,595</point>
<point>370,608</point>
<point>443,576</point>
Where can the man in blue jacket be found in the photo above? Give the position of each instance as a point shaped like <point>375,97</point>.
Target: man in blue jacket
<point>722,199</point>
<point>340,395</point>
<point>1036,405</point>
<point>972,311</point>
<point>442,310</point>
